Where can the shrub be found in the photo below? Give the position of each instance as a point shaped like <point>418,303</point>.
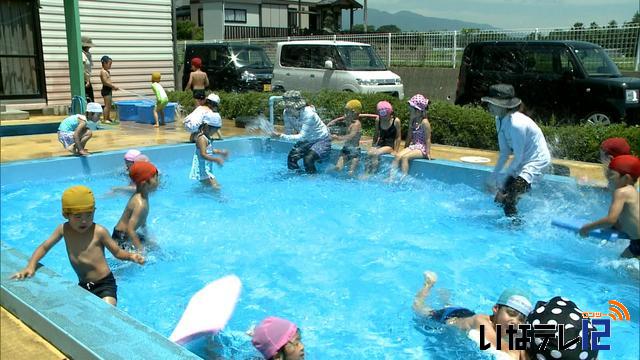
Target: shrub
<point>451,124</point>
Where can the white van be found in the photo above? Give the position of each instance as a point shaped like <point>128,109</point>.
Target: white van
<point>339,65</point>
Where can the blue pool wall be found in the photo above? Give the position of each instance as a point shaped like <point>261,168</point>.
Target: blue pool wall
<point>88,328</point>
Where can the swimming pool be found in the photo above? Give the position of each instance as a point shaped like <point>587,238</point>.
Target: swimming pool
<point>341,258</point>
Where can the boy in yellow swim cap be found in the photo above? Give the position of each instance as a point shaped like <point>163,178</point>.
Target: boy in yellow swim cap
<point>85,241</point>
<point>161,99</point>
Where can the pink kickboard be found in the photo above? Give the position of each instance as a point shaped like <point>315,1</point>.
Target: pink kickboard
<point>209,310</point>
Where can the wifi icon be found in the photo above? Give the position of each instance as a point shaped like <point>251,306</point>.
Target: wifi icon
<point>618,311</point>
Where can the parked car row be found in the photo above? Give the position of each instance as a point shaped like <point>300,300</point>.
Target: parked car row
<point>573,81</point>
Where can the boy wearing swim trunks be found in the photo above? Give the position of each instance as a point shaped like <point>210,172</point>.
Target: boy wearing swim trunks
<point>85,242</point>
<point>624,212</point>
<point>512,308</point>
<point>145,176</point>
<point>351,149</point>
<point>161,99</point>
<point>198,79</point>
<point>107,87</point>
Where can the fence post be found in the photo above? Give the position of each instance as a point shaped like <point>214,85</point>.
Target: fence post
<point>335,38</point>
<point>389,50</point>
<point>536,34</point>
<point>248,41</point>
<point>455,47</point>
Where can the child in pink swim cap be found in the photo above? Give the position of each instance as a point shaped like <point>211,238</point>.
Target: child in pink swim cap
<point>278,339</point>
<point>131,156</point>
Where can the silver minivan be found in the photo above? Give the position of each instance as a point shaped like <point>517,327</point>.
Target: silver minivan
<point>339,65</point>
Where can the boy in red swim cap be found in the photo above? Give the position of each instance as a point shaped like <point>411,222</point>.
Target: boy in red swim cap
<point>613,147</point>
<point>198,79</point>
<point>624,212</point>
<point>145,176</point>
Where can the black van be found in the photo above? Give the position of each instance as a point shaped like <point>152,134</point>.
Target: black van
<point>573,80</point>
<point>231,67</point>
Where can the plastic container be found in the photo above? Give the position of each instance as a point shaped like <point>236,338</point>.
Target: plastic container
<point>128,109</point>
<point>145,113</point>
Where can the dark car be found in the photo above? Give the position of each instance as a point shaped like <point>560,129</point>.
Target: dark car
<point>231,67</point>
<point>575,81</point>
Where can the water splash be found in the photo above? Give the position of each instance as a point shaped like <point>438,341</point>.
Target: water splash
<point>259,125</point>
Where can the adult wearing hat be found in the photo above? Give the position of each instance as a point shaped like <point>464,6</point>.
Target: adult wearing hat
<point>518,135</point>
<point>87,44</point>
<point>313,140</point>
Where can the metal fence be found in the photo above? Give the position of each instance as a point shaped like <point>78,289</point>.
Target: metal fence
<point>444,48</point>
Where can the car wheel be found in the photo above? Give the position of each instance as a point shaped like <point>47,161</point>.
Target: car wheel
<point>598,119</point>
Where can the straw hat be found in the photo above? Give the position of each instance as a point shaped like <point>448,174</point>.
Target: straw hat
<point>86,42</point>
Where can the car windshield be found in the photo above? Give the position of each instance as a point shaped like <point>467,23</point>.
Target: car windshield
<point>360,57</point>
<point>250,57</point>
<point>596,62</point>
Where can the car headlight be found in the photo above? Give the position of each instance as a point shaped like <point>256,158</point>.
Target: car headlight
<point>366,82</point>
<point>398,81</point>
<point>632,96</point>
<point>247,76</point>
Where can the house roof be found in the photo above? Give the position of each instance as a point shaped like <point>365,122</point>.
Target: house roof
<point>343,4</point>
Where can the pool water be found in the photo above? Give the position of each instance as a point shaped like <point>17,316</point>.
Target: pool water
<point>341,258</point>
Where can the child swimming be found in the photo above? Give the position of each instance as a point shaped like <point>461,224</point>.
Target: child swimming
<point>278,339</point>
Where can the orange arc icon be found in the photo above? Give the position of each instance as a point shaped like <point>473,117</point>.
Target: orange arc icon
<point>616,313</point>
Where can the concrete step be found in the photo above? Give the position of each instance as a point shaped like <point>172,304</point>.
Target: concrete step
<point>14,115</point>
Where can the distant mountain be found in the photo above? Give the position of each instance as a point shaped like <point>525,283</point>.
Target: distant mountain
<point>409,21</point>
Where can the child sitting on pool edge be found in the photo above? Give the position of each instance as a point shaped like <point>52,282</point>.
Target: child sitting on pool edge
<point>74,132</point>
<point>624,212</point>
<point>512,308</point>
<point>278,339</point>
<point>85,242</point>
<point>134,216</point>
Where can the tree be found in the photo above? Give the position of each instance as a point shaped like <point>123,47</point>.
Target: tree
<point>593,25</point>
<point>636,18</point>
<point>578,26</point>
<point>359,28</point>
<point>388,29</point>
<point>187,30</point>
<point>613,24</point>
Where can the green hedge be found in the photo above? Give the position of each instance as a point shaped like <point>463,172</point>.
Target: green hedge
<point>452,125</point>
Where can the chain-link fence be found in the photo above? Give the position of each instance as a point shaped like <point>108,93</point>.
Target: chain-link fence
<point>444,48</point>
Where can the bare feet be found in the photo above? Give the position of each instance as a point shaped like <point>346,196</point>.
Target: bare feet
<point>156,125</point>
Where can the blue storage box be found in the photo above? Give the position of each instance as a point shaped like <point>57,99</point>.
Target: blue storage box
<point>128,109</point>
<point>145,113</point>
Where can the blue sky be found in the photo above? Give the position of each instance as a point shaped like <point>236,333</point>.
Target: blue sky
<point>517,14</point>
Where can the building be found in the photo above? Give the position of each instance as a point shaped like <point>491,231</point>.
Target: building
<point>34,74</point>
<point>223,19</point>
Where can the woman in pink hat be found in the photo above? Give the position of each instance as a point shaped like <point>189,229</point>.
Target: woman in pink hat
<point>418,142</point>
<point>278,339</point>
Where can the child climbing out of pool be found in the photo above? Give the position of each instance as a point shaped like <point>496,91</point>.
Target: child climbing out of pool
<point>74,132</point>
<point>198,79</point>
<point>207,124</point>
<point>85,242</point>
<point>418,142</point>
<point>512,308</point>
<point>107,87</point>
<point>351,149</point>
<point>278,339</point>
<point>130,157</point>
<point>134,216</point>
<point>386,137</point>
<point>161,99</point>
<point>624,212</point>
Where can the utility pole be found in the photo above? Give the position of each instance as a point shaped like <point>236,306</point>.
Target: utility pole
<point>365,16</point>
<point>299,17</point>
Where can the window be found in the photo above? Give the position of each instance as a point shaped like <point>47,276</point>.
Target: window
<point>200,22</point>
<point>292,56</point>
<point>506,59</point>
<point>235,16</point>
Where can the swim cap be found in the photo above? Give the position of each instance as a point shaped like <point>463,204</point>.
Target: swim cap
<point>94,107</point>
<point>616,146</point>
<point>213,98</point>
<point>142,157</point>
<point>212,119</point>
<point>142,171</point>
<point>132,154</point>
<point>626,165</point>
<point>196,62</point>
<point>384,107</point>
<point>105,59</point>
<point>354,105</point>
<point>155,77</point>
<point>559,311</point>
<point>78,199</point>
<point>272,334</point>
<point>516,299</point>
<point>419,102</point>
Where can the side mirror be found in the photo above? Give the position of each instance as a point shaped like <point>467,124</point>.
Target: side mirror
<point>328,64</point>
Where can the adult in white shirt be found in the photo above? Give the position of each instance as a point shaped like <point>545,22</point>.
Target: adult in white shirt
<point>87,64</point>
<point>519,136</point>
<point>313,140</point>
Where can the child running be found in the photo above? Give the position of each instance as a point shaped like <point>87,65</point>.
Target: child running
<point>161,99</point>
<point>278,339</point>
<point>134,216</point>
<point>511,308</point>
<point>624,212</point>
<point>418,142</point>
<point>74,132</point>
<point>107,87</point>
<point>386,137</point>
<point>202,164</point>
<point>85,242</point>
<point>351,149</point>
<point>198,79</point>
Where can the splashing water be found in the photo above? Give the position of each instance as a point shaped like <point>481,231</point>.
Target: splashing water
<point>259,125</point>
